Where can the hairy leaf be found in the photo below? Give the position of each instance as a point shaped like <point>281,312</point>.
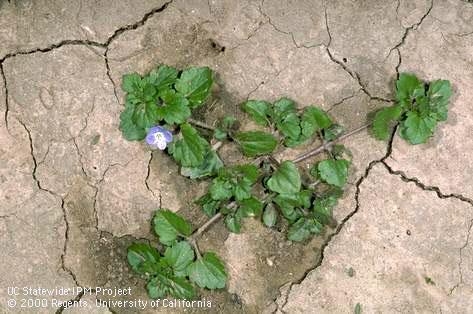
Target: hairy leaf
<point>179,257</point>
<point>143,258</point>
<point>130,130</point>
<point>242,189</point>
<point>439,94</point>
<point>282,108</point>
<point>286,179</point>
<point>250,207</point>
<point>221,189</point>
<point>334,172</point>
<point>233,222</point>
<point>208,204</point>
<point>270,215</point>
<point>208,272</point>
<point>408,88</point>
<point>314,119</point>
<point>131,82</point>
<point>383,119</point>
<point>287,204</point>
<point>299,231</point>
<point>289,125</point>
<point>169,225</point>
<point>211,164</point>
<point>191,150</point>
<point>145,114</point>
<point>255,143</point>
<point>258,110</point>
<point>163,77</point>
<point>195,84</point>
<point>164,284</point>
<point>333,132</point>
<point>249,171</point>
<point>416,129</point>
<point>175,107</point>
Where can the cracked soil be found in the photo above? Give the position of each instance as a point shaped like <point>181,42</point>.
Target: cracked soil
<point>74,194</point>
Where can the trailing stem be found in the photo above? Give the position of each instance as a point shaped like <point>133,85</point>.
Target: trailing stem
<point>313,152</point>
<point>327,145</point>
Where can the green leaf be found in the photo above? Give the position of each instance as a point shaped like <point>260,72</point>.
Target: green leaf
<point>416,129</point>
<point>287,120</point>
<point>191,150</point>
<point>314,119</point>
<point>299,231</point>
<point>287,204</point>
<point>333,132</point>
<point>145,114</point>
<point>334,172</point>
<point>163,77</point>
<point>270,215</point>
<point>131,82</point>
<point>233,222</point>
<point>221,189</point>
<point>228,122</point>
<point>175,107</point>
<point>212,163</point>
<point>286,179</point>
<point>208,204</point>
<point>165,284</point>
<point>301,199</point>
<point>249,171</point>
<point>324,204</point>
<point>339,151</point>
<point>258,110</point>
<point>169,225</point>
<point>242,189</point>
<point>408,88</point>
<point>304,198</point>
<point>143,258</point>
<point>256,143</point>
<point>220,134</point>
<point>358,308</point>
<point>129,129</point>
<point>208,272</point>
<point>179,256</point>
<point>140,91</point>
<point>439,94</point>
<point>250,207</point>
<point>195,84</point>
<point>289,125</point>
<point>382,121</point>
<point>282,108</point>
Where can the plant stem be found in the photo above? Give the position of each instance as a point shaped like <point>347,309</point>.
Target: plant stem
<point>217,145</point>
<point>200,124</point>
<point>193,242</point>
<point>204,227</point>
<point>326,146</point>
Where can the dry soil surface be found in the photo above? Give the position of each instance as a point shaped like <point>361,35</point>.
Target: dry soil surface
<point>74,194</point>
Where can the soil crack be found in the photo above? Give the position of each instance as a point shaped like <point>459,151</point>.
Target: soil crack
<point>425,187</point>
<point>344,220</point>
<point>356,76</point>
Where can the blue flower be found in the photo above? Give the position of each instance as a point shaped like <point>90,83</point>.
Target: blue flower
<point>158,137</point>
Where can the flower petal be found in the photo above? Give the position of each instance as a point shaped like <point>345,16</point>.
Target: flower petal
<point>167,136</point>
<point>150,138</point>
<point>161,144</point>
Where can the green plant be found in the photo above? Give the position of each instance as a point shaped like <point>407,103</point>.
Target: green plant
<point>418,109</point>
<point>174,272</point>
<point>158,108</point>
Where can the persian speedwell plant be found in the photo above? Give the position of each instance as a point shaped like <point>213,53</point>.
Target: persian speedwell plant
<point>158,109</point>
<point>420,106</point>
<point>158,137</point>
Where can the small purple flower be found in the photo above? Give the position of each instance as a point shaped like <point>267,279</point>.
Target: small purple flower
<point>158,137</point>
